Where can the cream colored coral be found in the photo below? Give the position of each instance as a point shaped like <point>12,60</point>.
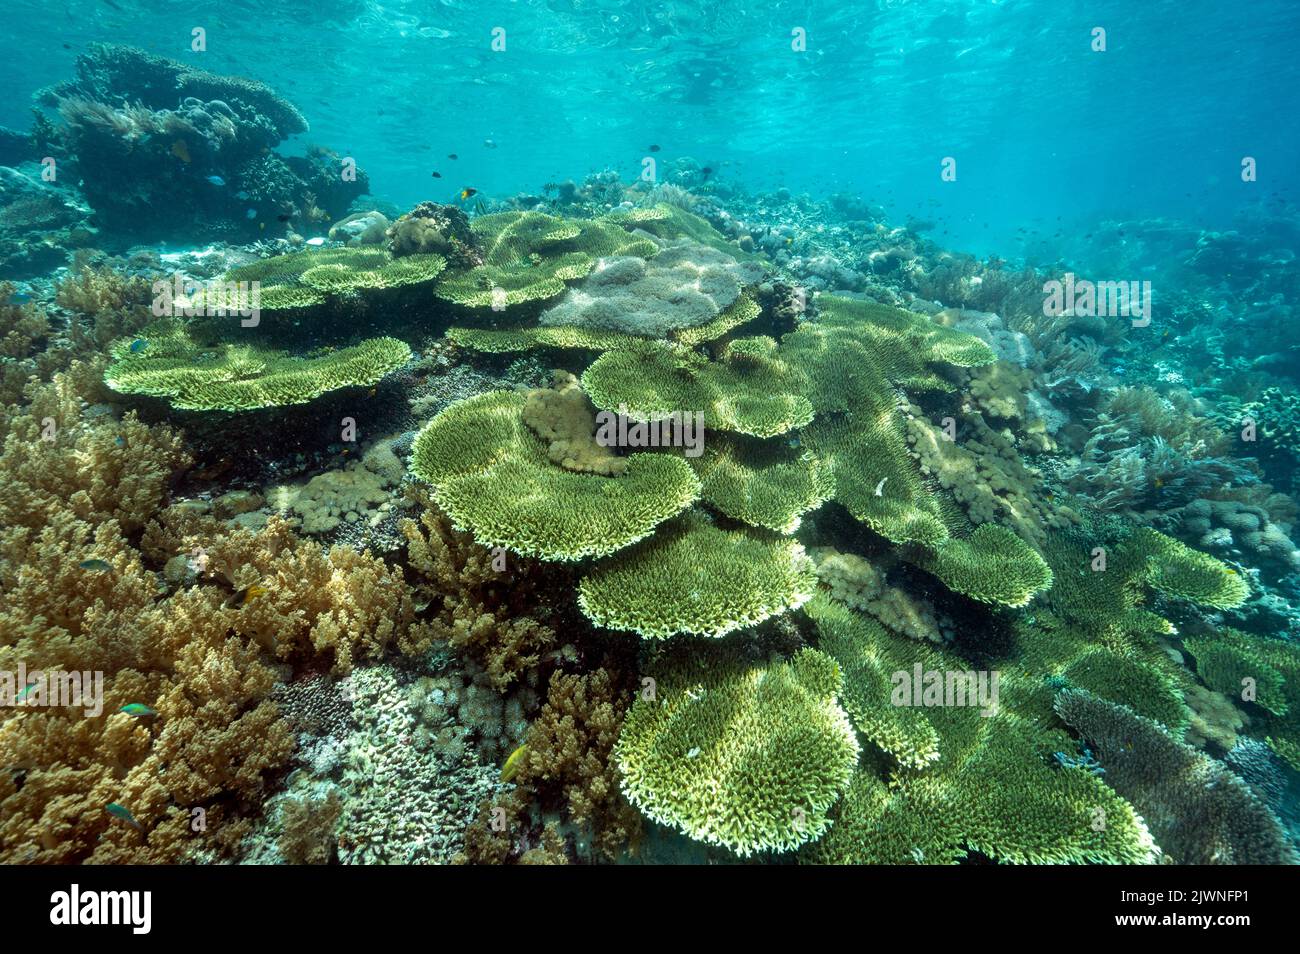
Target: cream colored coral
<point>857,582</point>
<point>563,416</point>
<point>336,496</point>
<point>1214,718</point>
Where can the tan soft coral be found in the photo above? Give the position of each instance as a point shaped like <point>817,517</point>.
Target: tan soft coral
<point>568,752</point>
<point>474,607</point>
<point>857,582</point>
<point>107,305</point>
<point>564,417</point>
<point>186,774</point>
<point>98,470</point>
<point>309,603</point>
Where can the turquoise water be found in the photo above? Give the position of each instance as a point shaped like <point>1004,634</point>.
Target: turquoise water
<point>1047,134</point>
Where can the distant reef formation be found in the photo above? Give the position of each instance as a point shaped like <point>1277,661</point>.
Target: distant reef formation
<point>163,150</point>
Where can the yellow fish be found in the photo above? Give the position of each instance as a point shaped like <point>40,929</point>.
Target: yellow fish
<point>511,768</point>
<point>246,596</point>
<point>181,151</point>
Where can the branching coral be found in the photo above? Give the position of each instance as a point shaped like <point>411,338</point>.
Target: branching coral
<point>472,605</point>
<point>569,748</point>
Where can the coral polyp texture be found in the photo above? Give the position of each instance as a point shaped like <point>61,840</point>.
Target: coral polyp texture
<point>309,278</point>
<point>494,477</point>
<point>692,577</point>
<point>745,756</point>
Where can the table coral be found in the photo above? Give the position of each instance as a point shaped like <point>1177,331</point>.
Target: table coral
<point>232,377</point>
<point>692,577</point>
<point>749,757</point>
<point>492,475</point>
<point>685,285</point>
<point>1199,812</point>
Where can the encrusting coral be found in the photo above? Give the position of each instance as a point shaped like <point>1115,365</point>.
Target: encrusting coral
<point>564,416</point>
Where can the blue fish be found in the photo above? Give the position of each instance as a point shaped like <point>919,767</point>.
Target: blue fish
<point>251,213</point>
<point>216,180</point>
<point>118,811</point>
<point>241,194</point>
<point>138,345</point>
<point>19,298</point>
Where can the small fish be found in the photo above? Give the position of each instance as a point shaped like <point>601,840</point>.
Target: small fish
<point>19,298</point>
<point>245,596</point>
<point>26,691</point>
<point>693,753</point>
<point>437,175</point>
<point>452,155</point>
<point>120,441</point>
<point>216,180</point>
<point>706,172</point>
<point>138,345</point>
<point>511,768</point>
<point>251,214</point>
<point>654,148</point>
<point>119,811</point>
<point>880,487</point>
<point>242,195</point>
<point>466,192</point>
<point>98,565</point>
<point>316,242</point>
<point>489,144</point>
<point>181,151</point>
<point>137,709</point>
<point>284,217</point>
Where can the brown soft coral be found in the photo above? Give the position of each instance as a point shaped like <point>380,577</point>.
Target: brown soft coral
<point>309,829</point>
<point>568,753</point>
<point>307,603</point>
<point>564,417</point>
<point>475,607</point>
<point>100,470</point>
<point>107,305</point>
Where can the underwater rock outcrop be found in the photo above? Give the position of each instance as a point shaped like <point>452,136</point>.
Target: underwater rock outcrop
<point>163,149</point>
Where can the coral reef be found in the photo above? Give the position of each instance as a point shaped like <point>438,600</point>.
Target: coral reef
<point>750,757</point>
<point>1199,812</point>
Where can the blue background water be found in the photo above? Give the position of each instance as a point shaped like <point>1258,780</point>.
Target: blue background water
<point>1041,126</point>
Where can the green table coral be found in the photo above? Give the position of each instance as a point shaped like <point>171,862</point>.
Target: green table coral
<point>992,565</point>
<point>532,256</point>
<point>749,391</point>
<point>762,483</point>
<point>493,477</point>
<point>692,577</point>
<point>980,775</point>
<point>305,279</point>
<point>747,757</point>
<point>231,377</point>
